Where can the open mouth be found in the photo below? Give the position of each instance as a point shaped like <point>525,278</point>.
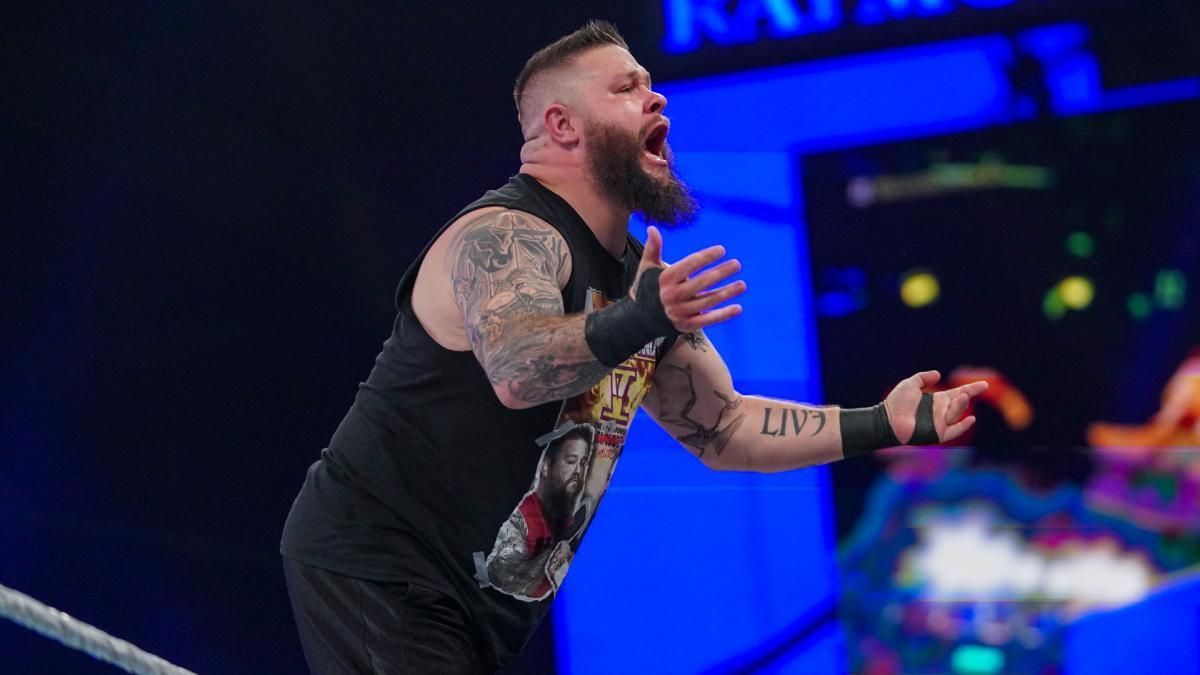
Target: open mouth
<point>655,144</point>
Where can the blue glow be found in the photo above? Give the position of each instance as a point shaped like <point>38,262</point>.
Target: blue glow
<point>1073,74</point>
<point>688,569</point>
<point>838,304</point>
<point>1137,639</point>
<point>879,11</point>
<point>846,101</point>
<point>689,23</point>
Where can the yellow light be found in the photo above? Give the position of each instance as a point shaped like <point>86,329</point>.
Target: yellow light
<point>1076,292</point>
<point>919,289</point>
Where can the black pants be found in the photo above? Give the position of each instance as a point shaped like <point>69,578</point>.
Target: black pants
<point>350,625</point>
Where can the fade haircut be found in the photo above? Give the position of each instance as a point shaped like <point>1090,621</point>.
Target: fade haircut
<point>583,432</point>
<point>593,34</point>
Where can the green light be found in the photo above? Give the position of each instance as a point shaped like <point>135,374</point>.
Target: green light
<point>1140,306</point>
<point>1053,305</point>
<point>1081,244</point>
<point>977,659</point>
<point>1170,289</point>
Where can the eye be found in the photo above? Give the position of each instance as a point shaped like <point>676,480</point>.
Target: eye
<point>628,87</point>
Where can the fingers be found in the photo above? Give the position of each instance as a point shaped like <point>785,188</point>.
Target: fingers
<point>927,378</point>
<point>707,319</point>
<point>652,252</point>
<point>973,389</point>
<point>683,269</point>
<point>958,429</point>
<point>709,299</point>
<point>688,300</point>
<point>958,406</point>
<point>707,278</point>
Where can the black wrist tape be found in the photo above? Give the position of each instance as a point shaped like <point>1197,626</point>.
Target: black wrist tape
<point>924,433</point>
<point>621,329</point>
<point>866,429</point>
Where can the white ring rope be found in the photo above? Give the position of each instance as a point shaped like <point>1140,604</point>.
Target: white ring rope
<point>74,633</point>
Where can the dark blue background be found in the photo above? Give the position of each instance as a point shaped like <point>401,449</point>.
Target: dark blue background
<point>206,208</point>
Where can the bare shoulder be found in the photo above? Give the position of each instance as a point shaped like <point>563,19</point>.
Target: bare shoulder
<point>478,254</point>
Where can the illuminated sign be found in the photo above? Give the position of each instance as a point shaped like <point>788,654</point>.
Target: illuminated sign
<point>691,22</point>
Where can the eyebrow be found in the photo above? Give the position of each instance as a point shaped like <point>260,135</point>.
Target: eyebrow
<point>640,73</point>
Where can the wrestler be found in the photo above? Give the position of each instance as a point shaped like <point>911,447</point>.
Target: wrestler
<point>531,312</point>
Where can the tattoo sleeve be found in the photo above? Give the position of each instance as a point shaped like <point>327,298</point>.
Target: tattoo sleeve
<point>505,267</point>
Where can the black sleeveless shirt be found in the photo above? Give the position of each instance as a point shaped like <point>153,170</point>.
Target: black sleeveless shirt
<point>430,480</point>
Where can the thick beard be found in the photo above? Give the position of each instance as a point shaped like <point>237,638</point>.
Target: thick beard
<point>615,162</point>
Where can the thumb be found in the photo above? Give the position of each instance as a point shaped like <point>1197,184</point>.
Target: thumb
<point>928,378</point>
<point>652,253</point>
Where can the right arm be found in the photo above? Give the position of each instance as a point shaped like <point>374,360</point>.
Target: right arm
<point>506,268</point>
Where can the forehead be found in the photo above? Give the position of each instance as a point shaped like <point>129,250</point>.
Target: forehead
<point>574,445</point>
<point>607,62</point>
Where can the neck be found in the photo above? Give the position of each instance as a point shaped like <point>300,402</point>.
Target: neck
<point>607,222</point>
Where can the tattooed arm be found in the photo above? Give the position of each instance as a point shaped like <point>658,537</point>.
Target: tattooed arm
<point>693,398</point>
<point>507,269</point>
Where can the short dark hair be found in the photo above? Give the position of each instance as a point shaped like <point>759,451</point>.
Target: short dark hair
<point>583,432</point>
<point>594,33</point>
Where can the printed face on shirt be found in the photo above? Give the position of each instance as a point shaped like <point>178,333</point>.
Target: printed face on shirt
<point>563,468</point>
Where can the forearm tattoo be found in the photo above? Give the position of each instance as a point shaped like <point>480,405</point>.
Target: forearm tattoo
<point>505,267</point>
<point>790,419</point>
<point>677,399</point>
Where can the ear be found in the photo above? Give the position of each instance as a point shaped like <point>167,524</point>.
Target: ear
<point>561,124</point>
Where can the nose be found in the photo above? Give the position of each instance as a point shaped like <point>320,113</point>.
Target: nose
<point>655,102</point>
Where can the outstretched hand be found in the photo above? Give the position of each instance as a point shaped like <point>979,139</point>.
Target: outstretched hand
<point>685,287</point>
<point>948,406</point>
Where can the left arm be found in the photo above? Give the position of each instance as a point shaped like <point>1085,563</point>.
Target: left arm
<point>693,399</point>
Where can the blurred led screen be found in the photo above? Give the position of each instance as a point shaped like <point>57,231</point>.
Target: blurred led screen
<point>1057,258</point>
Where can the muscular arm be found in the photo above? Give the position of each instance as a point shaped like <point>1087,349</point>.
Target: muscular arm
<point>693,398</point>
<point>506,268</point>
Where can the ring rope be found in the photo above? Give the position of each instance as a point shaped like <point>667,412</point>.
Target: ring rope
<point>74,633</point>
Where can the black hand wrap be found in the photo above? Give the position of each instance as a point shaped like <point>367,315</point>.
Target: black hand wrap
<point>621,329</point>
<point>924,433</point>
<point>867,429</point>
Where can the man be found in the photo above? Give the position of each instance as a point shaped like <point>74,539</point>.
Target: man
<point>534,544</point>
<point>533,312</point>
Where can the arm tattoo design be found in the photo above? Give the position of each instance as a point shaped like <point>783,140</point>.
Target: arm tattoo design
<point>702,436</point>
<point>505,268</point>
<point>797,424</point>
<point>696,340</point>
